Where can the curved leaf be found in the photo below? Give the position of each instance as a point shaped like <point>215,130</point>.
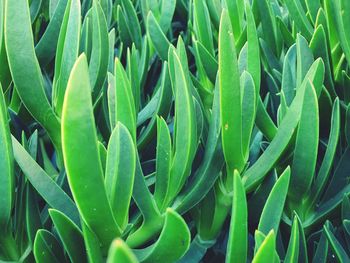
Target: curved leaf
<point>120,252</point>
<point>230,96</point>
<point>238,244</point>
<point>81,156</point>
<point>306,147</point>
<point>157,36</point>
<point>7,187</point>
<point>70,235</point>
<point>42,182</point>
<point>46,248</point>
<point>256,173</point>
<point>266,251</point>
<point>27,76</point>
<point>272,212</point>
<point>120,173</point>
<point>175,233</point>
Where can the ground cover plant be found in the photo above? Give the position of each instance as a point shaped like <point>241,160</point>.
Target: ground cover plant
<point>174,131</point>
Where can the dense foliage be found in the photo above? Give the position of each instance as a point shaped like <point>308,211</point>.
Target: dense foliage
<point>174,131</point>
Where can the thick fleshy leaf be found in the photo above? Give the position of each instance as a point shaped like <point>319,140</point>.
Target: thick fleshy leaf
<point>253,53</point>
<point>42,182</point>
<point>27,76</point>
<point>157,37</point>
<point>256,173</point>
<point>248,111</point>
<point>236,12</point>
<point>306,147</point>
<point>67,51</point>
<point>202,25</point>
<point>81,156</point>
<point>7,186</point>
<point>124,101</point>
<point>293,246</point>
<point>46,48</point>
<point>98,63</point>
<point>336,247</point>
<point>120,173</point>
<point>328,158</point>
<point>269,25</point>
<point>70,235</point>
<point>185,141</point>
<point>120,252</point>
<point>211,167</point>
<point>163,164</point>
<point>132,22</point>
<point>272,212</point>
<point>175,233</point>
<point>46,248</point>
<point>230,96</point>
<point>304,59</point>
<point>266,251</point>
<point>237,243</point>
<point>299,17</point>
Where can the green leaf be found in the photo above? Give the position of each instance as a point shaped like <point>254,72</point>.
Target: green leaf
<point>320,48</point>
<point>124,32</point>
<point>98,63</point>
<point>211,166</point>
<point>209,62</point>
<point>33,221</point>
<point>263,120</point>
<point>92,245</point>
<point>238,244</point>
<point>67,51</point>
<point>42,182</point>
<point>120,173</point>
<point>304,59</point>
<point>46,48</point>
<point>339,11</point>
<point>120,252</point>
<point>175,233</point>
<point>256,173</point>
<point>335,245</point>
<point>236,12</point>
<point>268,23</point>
<point>298,15</point>
<point>81,156</point>
<point>132,23</point>
<point>253,60</point>
<point>152,219</point>
<point>320,255</point>
<point>162,108</point>
<point>202,25</point>
<point>289,75</point>
<point>230,96</point>
<point>70,235</point>
<point>46,248</point>
<point>323,173</point>
<point>312,8</point>
<point>157,37</point>
<point>166,14</point>
<point>27,76</point>
<point>124,101</point>
<point>248,111</point>
<point>272,212</point>
<point>185,128</point>
<point>293,246</point>
<point>7,187</point>
<point>163,162</point>
<point>306,147</point>
<point>266,251</point>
